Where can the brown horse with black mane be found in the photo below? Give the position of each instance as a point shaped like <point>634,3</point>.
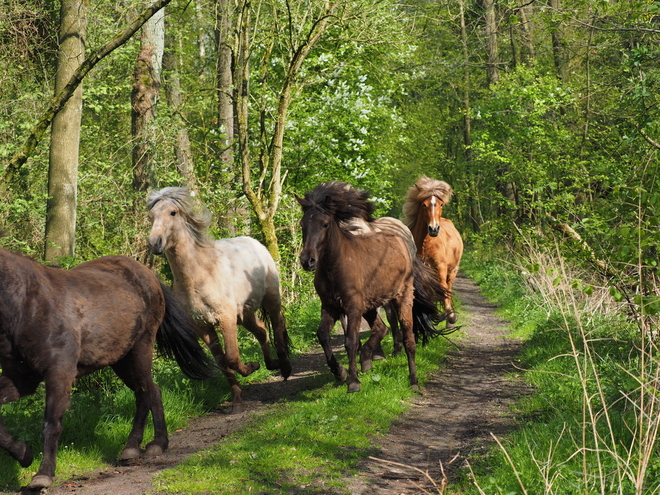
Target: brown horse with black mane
<point>357,274</point>
<point>59,325</point>
<point>438,242</point>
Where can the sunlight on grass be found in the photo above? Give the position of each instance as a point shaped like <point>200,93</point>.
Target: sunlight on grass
<point>309,443</point>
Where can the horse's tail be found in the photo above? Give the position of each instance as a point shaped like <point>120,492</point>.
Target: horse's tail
<point>428,292</point>
<point>176,339</point>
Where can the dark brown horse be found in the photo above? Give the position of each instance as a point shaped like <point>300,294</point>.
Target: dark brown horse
<point>438,242</point>
<point>59,325</point>
<point>357,274</point>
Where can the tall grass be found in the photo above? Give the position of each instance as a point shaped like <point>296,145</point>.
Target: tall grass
<point>591,426</point>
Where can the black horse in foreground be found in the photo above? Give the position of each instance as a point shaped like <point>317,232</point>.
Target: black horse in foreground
<point>59,325</point>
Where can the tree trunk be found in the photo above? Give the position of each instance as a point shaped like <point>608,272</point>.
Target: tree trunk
<point>559,47</point>
<point>266,196</point>
<point>182,151</point>
<point>492,53</point>
<point>65,136</point>
<point>467,124</point>
<point>225,81</point>
<point>144,97</point>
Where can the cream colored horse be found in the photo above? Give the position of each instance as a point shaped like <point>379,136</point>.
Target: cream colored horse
<point>222,282</point>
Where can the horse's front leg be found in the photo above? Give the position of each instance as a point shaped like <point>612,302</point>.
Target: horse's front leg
<point>10,391</point>
<point>352,343</point>
<point>58,393</point>
<point>323,334</point>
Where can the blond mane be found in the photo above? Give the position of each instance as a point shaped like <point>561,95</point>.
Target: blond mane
<point>424,188</point>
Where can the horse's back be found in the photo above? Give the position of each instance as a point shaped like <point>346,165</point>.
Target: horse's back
<point>253,271</point>
<point>118,302</point>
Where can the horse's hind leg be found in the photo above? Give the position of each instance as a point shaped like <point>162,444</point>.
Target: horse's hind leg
<point>135,371</point>
<point>404,310</point>
<point>393,320</point>
<point>378,332</point>
<point>452,317</point>
<point>258,329</point>
<point>273,308</point>
<point>10,391</point>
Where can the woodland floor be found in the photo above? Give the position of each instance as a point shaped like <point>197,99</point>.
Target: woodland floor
<point>450,421</point>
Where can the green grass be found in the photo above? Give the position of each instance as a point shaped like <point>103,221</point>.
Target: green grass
<point>580,430</point>
<point>309,443</point>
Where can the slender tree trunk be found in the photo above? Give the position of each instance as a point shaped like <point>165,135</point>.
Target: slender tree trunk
<point>184,159</point>
<point>65,136</point>
<point>146,86</point>
<point>559,47</point>
<point>225,80</point>
<point>492,52</point>
<point>467,123</point>
<point>265,197</point>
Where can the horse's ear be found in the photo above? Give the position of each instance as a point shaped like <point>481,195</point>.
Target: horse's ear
<point>301,201</point>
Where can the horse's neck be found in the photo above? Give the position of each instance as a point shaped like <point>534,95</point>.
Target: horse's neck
<point>420,232</point>
<point>184,260</point>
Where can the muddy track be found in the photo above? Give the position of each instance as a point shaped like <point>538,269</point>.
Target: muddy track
<point>450,421</point>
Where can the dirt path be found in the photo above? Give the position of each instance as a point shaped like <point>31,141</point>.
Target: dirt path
<point>451,420</point>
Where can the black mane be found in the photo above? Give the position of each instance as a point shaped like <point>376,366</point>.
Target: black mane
<point>341,201</point>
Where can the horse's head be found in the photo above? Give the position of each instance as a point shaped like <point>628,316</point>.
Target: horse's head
<point>166,220</point>
<point>315,224</point>
<point>432,208</point>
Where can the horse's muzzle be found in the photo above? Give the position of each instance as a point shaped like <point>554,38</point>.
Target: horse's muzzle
<point>434,231</point>
<point>156,245</point>
<point>308,263</point>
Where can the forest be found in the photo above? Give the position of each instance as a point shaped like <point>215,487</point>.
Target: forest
<point>542,115</point>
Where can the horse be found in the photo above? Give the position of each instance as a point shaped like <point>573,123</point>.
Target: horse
<point>59,325</point>
<point>438,242</point>
<point>354,275</point>
<point>222,283</point>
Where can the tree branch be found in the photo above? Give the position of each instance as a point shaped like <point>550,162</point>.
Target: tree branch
<point>58,102</point>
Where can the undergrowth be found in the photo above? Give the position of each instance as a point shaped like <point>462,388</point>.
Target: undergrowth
<point>591,424</point>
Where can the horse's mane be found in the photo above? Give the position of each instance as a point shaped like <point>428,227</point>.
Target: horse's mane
<point>424,188</point>
<point>341,201</point>
<point>197,215</point>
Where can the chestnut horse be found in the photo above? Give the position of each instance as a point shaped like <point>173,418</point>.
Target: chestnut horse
<point>59,325</point>
<point>357,274</point>
<point>223,283</point>
<point>438,242</point>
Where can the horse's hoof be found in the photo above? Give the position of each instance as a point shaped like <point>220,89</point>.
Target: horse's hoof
<point>285,369</point>
<point>237,408</point>
<point>24,457</point>
<point>341,375</point>
<point>129,453</point>
<point>252,367</point>
<point>452,318</point>
<point>353,387</point>
<point>366,365</point>
<point>39,482</point>
<point>153,450</point>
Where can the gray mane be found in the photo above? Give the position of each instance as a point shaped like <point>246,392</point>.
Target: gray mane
<point>196,214</point>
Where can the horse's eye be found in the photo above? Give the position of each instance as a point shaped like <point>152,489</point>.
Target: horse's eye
<point>173,213</point>
<point>325,225</point>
